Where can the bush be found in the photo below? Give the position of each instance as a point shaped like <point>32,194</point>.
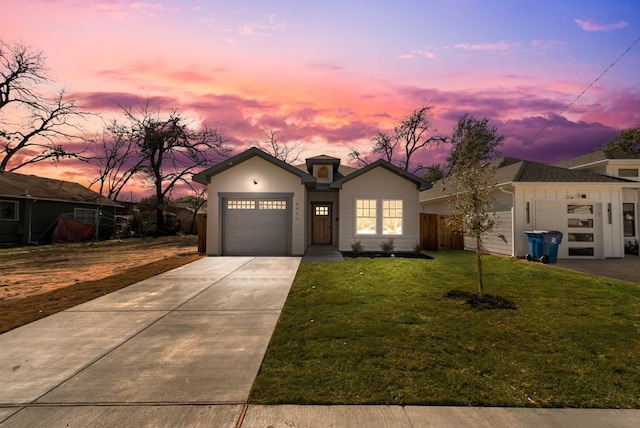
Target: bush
<point>387,246</point>
<point>357,248</point>
<point>417,249</point>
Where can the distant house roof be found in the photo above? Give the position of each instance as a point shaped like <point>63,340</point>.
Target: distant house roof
<point>595,157</point>
<point>204,176</point>
<point>420,183</point>
<point>23,186</point>
<point>512,170</point>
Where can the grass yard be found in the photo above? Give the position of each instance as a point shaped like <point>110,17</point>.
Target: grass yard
<point>380,331</point>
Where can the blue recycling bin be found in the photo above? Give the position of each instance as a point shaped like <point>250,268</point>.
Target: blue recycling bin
<point>543,245</point>
<point>535,245</point>
<point>550,242</point>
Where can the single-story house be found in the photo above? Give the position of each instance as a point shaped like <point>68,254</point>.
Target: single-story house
<point>30,207</point>
<point>260,205</point>
<point>595,209</point>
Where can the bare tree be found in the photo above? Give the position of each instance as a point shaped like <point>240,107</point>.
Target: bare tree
<point>412,134</point>
<point>118,160</point>
<point>168,151</point>
<point>472,182</point>
<point>33,127</point>
<point>195,201</point>
<point>289,153</point>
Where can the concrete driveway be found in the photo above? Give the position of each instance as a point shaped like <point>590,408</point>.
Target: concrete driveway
<point>626,269</point>
<point>195,335</point>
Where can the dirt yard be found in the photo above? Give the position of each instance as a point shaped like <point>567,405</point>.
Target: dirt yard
<point>39,281</point>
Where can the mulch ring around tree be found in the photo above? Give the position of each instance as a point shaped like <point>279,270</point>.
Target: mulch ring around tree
<point>377,254</point>
<point>488,301</point>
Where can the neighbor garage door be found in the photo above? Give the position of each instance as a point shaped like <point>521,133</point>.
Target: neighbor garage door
<point>256,226</point>
<point>579,221</point>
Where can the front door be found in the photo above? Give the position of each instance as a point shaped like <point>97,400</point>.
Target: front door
<point>321,223</point>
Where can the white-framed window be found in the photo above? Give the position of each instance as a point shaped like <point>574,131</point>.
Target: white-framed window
<point>272,205</point>
<point>392,217</point>
<point>628,172</point>
<point>8,210</point>
<point>366,216</point>
<point>86,215</point>
<point>239,204</point>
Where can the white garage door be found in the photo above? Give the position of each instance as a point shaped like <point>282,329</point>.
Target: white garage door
<point>256,226</point>
<point>580,223</point>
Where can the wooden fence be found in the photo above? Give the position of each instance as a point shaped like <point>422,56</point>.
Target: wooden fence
<point>435,235</point>
<point>202,233</point>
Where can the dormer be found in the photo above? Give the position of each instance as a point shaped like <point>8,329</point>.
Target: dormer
<point>323,168</point>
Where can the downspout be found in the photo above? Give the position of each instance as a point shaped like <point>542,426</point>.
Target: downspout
<point>513,221</point>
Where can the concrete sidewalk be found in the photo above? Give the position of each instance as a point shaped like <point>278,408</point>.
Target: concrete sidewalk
<point>183,349</point>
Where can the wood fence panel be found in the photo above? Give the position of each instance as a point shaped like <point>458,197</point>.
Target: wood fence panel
<point>435,235</point>
<point>202,233</point>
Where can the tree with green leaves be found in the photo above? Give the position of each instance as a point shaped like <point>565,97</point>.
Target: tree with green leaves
<point>475,145</point>
<point>627,141</point>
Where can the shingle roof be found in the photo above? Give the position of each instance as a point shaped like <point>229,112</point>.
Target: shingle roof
<point>596,156</point>
<point>15,185</point>
<point>204,176</point>
<point>512,170</point>
<point>422,184</point>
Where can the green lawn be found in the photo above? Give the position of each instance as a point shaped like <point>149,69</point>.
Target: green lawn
<point>380,331</point>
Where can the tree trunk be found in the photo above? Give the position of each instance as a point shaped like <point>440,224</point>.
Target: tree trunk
<point>479,256</point>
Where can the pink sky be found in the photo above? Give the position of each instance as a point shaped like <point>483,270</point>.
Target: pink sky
<point>329,74</point>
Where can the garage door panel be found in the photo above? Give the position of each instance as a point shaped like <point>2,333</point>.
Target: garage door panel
<point>256,226</point>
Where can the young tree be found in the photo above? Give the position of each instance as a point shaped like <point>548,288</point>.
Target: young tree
<point>472,182</point>
<point>283,151</point>
<point>412,134</point>
<point>166,150</point>
<point>627,141</point>
<point>33,127</point>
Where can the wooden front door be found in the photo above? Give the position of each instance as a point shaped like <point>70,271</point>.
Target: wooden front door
<point>321,223</point>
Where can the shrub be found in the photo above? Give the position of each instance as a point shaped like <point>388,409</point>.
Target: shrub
<point>417,249</point>
<point>357,248</point>
<point>387,246</point>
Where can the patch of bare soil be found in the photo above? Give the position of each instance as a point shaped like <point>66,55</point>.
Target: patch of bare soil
<point>488,301</point>
<point>40,281</point>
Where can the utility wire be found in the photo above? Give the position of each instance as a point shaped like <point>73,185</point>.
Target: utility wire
<point>585,89</point>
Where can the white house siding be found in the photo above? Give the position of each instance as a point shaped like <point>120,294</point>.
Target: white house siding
<point>270,179</point>
<point>379,183</point>
<point>499,241</point>
<point>610,242</point>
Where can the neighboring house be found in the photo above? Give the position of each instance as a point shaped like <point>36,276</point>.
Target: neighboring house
<point>590,209</point>
<point>186,217</point>
<point>259,205</point>
<point>30,207</point>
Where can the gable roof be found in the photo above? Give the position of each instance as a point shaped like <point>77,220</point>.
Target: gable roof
<point>595,157</point>
<point>204,176</point>
<point>13,185</point>
<point>420,183</point>
<point>512,170</point>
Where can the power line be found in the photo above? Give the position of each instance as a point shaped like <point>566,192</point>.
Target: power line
<point>586,89</point>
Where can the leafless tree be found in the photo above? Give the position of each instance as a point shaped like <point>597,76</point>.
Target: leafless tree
<point>289,153</point>
<point>412,134</point>
<point>166,150</point>
<point>33,127</point>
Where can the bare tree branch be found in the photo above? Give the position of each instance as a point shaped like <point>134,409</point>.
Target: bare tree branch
<point>289,153</point>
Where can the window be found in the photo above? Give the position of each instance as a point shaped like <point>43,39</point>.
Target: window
<point>241,205</point>
<point>272,205</point>
<point>580,222</point>
<point>582,252</point>
<point>323,173</point>
<point>86,215</point>
<point>580,237</point>
<point>322,210</point>
<point>8,210</point>
<point>629,219</point>
<point>580,209</point>
<point>628,172</point>
<point>366,216</point>
<point>392,217</point>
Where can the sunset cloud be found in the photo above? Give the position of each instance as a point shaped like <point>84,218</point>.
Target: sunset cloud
<point>417,53</point>
<point>590,25</point>
<point>501,46</point>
